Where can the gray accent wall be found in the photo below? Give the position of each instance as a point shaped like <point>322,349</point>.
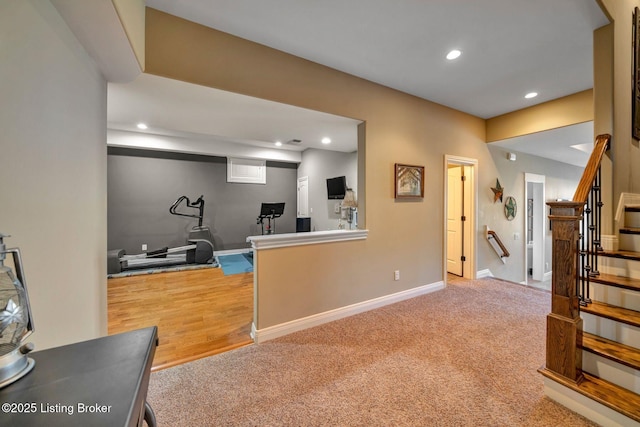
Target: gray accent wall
<point>142,185</point>
<point>319,165</point>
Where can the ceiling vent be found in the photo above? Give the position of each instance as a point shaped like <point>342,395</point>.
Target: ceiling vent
<point>294,142</point>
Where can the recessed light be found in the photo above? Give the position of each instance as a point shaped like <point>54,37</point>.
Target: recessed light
<point>531,95</point>
<point>326,140</point>
<point>142,126</point>
<point>278,144</point>
<point>453,54</point>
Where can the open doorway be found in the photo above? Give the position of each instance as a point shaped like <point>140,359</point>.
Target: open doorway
<point>460,219</point>
<point>185,150</point>
<point>535,265</point>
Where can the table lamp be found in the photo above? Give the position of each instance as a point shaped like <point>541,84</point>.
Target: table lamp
<point>16,323</point>
<point>350,203</point>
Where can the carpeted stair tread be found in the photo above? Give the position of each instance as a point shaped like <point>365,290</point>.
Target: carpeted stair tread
<point>624,315</point>
<point>615,397</point>
<point>621,254</point>
<point>612,350</point>
<point>617,281</point>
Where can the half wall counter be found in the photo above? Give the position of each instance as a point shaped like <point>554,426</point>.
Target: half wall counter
<point>270,241</point>
<point>305,279</point>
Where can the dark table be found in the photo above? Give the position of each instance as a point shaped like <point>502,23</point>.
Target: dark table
<point>101,382</point>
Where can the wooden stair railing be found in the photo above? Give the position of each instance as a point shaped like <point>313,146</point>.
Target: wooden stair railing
<point>492,236</point>
<point>564,324</point>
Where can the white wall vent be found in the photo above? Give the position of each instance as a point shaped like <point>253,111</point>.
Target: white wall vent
<point>247,171</point>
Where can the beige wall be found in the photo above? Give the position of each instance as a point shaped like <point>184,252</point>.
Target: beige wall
<point>625,151</point>
<point>131,14</point>
<point>603,115</point>
<point>405,236</point>
<point>53,170</point>
<point>565,111</point>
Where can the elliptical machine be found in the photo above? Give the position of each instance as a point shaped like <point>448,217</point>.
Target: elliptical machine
<point>199,248</point>
<point>199,235</point>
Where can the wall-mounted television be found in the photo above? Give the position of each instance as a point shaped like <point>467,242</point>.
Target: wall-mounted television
<point>336,187</point>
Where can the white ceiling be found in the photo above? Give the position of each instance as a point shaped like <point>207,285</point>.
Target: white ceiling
<point>569,144</point>
<point>175,108</point>
<point>510,47</point>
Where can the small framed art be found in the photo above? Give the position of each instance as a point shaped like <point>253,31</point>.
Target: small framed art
<point>409,181</point>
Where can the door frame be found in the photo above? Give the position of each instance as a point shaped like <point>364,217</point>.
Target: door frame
<point>539,215</point>
<point>471,212</point>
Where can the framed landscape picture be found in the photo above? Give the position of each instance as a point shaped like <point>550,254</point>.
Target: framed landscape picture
<point>409,181</point>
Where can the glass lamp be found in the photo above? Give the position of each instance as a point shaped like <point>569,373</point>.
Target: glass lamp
<point>351,204</point>
<point>15,319</point>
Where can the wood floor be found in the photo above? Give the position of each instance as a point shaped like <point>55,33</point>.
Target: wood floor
<point>198,312</point>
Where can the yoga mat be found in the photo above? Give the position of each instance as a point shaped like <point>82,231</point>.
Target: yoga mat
<point>235,264</point>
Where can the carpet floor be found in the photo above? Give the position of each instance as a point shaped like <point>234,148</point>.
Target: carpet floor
<point>464,356</point>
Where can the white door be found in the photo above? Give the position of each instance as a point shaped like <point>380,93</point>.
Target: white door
<point>303,197</point>
<point>454,220</point>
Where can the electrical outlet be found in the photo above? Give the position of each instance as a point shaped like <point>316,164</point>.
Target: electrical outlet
<point>396,275</point>
<point>516,236</point>
<point>144,246</point>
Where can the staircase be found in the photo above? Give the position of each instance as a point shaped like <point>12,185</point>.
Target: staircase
<point>611,334</point>
<point>597,312</point>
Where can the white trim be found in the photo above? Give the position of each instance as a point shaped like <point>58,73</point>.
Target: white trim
<point>609,242</point>
<point>266,334</point>
<point>232,251</point>
<point>254,331</point>
<point>270,241</point>
<point>586,407</point>
<point>541,234</point>
<point>484,273</point>
<point>626,199</point>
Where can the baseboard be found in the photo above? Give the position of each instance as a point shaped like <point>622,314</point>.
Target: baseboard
<point>232,251</point>
<point>610,242</point>
<point>266,334</point>
<point>484,273</point>
<point>586,407</point>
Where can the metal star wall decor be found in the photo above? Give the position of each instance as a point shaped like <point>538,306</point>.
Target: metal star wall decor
<point>497,192</point>
<point>510,208</point>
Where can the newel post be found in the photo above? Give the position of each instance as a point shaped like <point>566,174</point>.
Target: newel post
<point>564,325</point>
